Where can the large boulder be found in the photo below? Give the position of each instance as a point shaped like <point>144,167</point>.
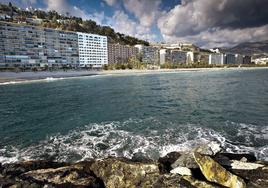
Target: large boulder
<point>123,173</point>
<point>256,177</point>
<point>246,157</point>
<point>214,172</point>
<point>187,160</point>
<point>245,165</point>
<point>199,184</point>
<point>69,176</point>
<point>18,168</point>
<point>171,181</point>
<point>211,148</point>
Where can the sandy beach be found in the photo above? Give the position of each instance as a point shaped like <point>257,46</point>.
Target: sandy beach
<point>21,77</point>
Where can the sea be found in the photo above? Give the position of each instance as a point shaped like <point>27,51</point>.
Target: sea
<point>149,115</point>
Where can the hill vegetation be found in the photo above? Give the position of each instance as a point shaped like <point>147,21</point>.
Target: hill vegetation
<point>53,19</point>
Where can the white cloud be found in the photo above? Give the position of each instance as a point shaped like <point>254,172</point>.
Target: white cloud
<point>223,37</point>
<point>146,11</point>
<point>121,22</point>
<point>62,6</point>
<point>215,23</point>
<point>110,2</point>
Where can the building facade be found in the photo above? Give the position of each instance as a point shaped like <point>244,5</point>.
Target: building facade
<point>93,50</point>
<point>165,56</point>
<point>118,53</point>
<point>28,46</point>
<point>247,60</point>
<point>230,59</point>
<point>216,59</point>
<point>178,57</point>
<point>238,59</point>
<point>149,54</point>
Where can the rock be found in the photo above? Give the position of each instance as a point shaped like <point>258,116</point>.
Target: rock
<point>166,161</point>
<point>15,182</point>
<point>171,181</point>
<point>244,165</point>
<point>122,173</point>
<point>140,157</point>
<point>182,171</point>
<point>233,156</point>
<point>222,160</point>
<point>69,176</point>
<point>257,177</point>
<point>214,172</point>
<point>199,184</point>
<point>15,169</point>
<point>212,148</point>
<point>185,160</point>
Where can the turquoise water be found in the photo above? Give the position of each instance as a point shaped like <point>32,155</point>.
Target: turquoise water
<point>98,116</point>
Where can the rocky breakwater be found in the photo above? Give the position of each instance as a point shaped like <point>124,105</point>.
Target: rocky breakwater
<point>204,167</point>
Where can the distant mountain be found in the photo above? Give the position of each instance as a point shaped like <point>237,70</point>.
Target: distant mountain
<point>249,48</point>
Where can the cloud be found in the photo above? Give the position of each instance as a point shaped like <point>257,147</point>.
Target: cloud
<point>146,11</point>
<point>62,6</point>
<point>111,2</point>
<point>213,22</point>
<point>121,22</point>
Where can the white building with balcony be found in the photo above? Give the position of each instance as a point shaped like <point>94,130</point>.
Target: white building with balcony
<point>93,50</point>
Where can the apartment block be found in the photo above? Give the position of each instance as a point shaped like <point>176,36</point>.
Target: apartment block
<point>165,56</point>
<point>149,54</point>
<point>230,59</point>
<point>118,53</point>
<point>192,57</point>
<point>93,50</point>
<point>178,57</point>
<point>216,59</point>
<point>238,59</point>
<point>27,46</point>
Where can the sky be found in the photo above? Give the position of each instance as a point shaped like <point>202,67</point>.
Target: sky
<point>206,23</point>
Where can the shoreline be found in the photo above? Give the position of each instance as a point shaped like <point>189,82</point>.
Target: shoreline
<point>7,78</point>
<point>205,166</point>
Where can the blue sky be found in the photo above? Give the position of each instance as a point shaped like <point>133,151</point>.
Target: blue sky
<point>207,23</point>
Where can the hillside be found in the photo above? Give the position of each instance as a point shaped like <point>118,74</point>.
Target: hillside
<point>53,19</point>
<point>250,48</point>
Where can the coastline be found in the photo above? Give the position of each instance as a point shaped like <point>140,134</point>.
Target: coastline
<point>205,166</point>
<point>7,78</point>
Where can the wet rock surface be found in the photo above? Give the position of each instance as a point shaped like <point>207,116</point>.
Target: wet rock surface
<point>204,169</point>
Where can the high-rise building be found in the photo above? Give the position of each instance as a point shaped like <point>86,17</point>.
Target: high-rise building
<point>118,53</point>
<point>216,59</point>
<point>192,57</point>
<point>165,56</point>
<point>230,59</point>
<point>27,46</point>
<point>238,59</point>
<point>149,54</point>
<point>93,50</point>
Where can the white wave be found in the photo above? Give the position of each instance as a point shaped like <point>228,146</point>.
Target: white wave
<point>113,139</point>
<point>12,82</point>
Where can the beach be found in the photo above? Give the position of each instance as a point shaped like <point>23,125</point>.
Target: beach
<point>22,77</point>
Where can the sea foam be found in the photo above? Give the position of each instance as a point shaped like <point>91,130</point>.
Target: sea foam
<point>113,139</point>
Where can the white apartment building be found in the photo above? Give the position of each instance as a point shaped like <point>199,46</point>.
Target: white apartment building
<point>216,59</point>
<point>93,50</point>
